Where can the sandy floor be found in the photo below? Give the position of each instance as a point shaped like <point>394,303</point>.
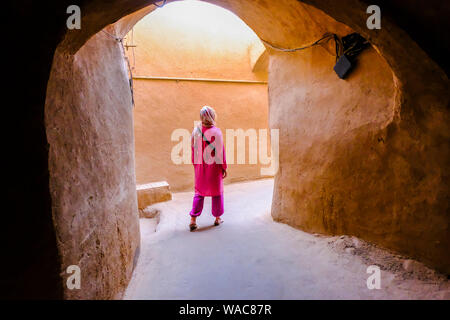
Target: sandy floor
<point>252,257</point>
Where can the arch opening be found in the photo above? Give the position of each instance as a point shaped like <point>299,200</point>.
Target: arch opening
<point>330,129</point>
<point>184,56</point>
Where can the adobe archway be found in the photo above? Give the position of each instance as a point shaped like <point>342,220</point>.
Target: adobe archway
<point>379,176</point>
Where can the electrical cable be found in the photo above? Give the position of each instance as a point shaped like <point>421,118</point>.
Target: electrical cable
<point>130,76</point>
<point>355,45</point>
<point>112,36</point>
<point>132,49</point>
<point>350,45</point>
<point>326,36</point>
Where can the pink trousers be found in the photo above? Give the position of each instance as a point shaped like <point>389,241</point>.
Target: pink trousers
<point>197,205</point>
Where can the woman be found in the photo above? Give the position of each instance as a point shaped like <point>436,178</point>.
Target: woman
<point>210,166</point>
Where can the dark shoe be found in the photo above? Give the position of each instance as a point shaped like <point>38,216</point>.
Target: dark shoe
<point>216,223</point>
<point>193,226</point>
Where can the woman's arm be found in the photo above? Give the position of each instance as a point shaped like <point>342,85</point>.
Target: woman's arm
<point>224,160</point>
<point>193,147</point>
<point>224,157</point>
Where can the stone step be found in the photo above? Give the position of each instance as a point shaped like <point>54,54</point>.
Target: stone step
<point>151,193</point>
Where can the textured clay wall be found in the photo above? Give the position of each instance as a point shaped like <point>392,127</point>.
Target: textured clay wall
<point>91,164</point>
<point>322,122</point>
<point>176,45</point>
<point>366,156</point>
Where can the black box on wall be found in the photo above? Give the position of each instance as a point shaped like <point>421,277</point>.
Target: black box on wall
<point>343,66</point>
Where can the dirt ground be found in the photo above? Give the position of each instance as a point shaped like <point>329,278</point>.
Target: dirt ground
<point>250,256</point>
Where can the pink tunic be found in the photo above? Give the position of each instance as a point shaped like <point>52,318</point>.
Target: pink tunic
<point>208,163</point>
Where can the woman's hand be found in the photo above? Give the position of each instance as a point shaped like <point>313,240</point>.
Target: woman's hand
<point>224,174</point>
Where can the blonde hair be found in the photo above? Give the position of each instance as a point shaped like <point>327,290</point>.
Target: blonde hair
<point>208,116</point>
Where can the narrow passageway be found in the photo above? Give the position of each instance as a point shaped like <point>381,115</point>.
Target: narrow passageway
<point>252,257</point>
<point>344,103</point>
